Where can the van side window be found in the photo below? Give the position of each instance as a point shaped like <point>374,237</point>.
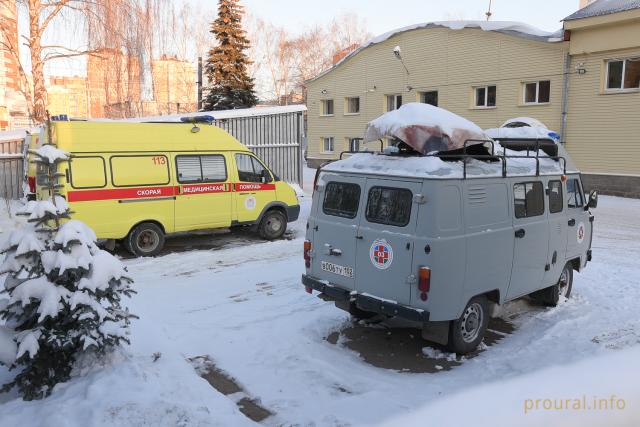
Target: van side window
<point>193,169</point>
<point>556,200</point>
<point>88,172</point>
<point>341,199</point>
<point>134,170</point>
<point>528,199</point>
<point>390,206</point>
<point>251,170</point>
<point>574,194</point>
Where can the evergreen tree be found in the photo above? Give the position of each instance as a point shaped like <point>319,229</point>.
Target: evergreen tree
<point>226,67</point>
<point>64,292</point>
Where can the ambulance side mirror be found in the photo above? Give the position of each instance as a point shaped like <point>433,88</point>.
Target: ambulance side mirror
<point>265,175</point>
<point>593,200</point>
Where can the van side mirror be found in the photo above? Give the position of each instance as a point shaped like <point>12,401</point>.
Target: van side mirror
<point>593,199</point>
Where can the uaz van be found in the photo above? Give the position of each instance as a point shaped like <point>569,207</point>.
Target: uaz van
<point>437,239</point>
<point>140,181</point>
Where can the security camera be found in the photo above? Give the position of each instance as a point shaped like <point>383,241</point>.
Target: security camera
<point>397,52</point>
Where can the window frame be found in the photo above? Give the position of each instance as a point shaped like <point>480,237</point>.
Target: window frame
<point>326,192</point>
<point>347,103</point>
<point>333,144</point>
<point>542,193</point>
<point>323,107</point>
<point>254,159</point>
<point>537,96</point>
<point>202,180</point>
<point>562,198</point>
<point>167,164</point>
<point>382,187</point>
<point>486,97</point>
<point>581,192</point>
<point>423,94</point>
<point>351,140</point>
<point>621,89</point>
<point>395,97</point>
<point>104,170</point>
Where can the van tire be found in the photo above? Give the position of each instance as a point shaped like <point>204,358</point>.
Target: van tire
<point>467,332</point>
<point>146,239</point>
<point>273,225</point>
<point>551,296</point>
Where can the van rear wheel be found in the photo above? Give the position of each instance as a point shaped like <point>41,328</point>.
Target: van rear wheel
<point>146,239</point>
<point>273,225</point>
<point>467,332</point>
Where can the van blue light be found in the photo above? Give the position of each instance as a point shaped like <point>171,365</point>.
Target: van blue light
<point>198,119</point>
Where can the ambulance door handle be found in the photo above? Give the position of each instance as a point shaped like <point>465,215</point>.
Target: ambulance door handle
<point>244,194</point>
<point>572,222</point>
<point>520,233</point>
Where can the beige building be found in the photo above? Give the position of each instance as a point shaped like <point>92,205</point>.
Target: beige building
<point>489,75</point>
<point>67,95</point>
<point>603,122</point>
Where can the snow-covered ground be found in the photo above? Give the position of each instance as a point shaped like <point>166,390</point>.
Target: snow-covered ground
<point>244,308</point>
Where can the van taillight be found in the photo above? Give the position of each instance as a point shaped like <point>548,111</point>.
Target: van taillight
<point>424,282</point>
<point>32,184</point>
<point>307,254</point>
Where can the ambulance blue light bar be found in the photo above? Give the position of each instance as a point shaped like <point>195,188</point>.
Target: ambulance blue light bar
<point>198,119</point>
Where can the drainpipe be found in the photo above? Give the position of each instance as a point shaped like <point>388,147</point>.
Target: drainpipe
<point>565,96</point>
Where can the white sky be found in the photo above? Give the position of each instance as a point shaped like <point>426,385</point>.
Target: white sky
<point>384,15</point>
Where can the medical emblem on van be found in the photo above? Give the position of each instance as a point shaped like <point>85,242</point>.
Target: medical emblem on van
<point>580,232</point>
<point>381,254</point>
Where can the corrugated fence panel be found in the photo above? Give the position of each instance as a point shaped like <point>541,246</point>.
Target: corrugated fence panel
<point>275,138</point>
<point>12,170</point>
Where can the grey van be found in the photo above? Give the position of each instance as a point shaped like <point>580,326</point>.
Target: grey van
<point>439,240</point>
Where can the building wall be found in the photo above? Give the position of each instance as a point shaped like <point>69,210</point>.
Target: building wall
<point>67,95</point>
<point>13,108</point>
<point>449,61</point>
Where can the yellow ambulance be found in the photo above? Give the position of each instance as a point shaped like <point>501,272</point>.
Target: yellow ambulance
<point>138,182</point>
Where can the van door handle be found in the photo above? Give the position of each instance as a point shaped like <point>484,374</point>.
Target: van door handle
<point>520,233</point>
<point>572,222</point>
<point>359,237</point>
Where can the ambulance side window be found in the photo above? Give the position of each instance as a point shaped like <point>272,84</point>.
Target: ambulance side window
<point>556,201</point>
<point>574,194</point>
<point>194,169</point>
<point>341,199</point>
<point>251,170</point>
<point>389,206</point>
<point>88,172</point>
<point>135,170</point>
<point>528,199</point>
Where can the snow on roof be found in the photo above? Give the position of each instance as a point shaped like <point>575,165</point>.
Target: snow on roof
<point>424,127</point>
<point>513,28</point>
<point>604,7</point>
<point>218,115</point>
<point>14,135</point>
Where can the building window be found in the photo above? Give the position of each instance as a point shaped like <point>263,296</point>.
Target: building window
<point>394,102</point>
<point>354,144</point>
<point>352,105</point>
<point>486,96</point>
<point>326,108</point>
<point>430,97</point>
<point>327,144</point>
<point>537,92</point>
<point>623,74</point>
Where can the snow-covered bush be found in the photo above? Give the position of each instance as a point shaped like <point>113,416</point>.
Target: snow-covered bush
<point>64,293</point>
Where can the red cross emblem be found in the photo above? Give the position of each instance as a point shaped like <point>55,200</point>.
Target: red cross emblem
<point>381,254</point>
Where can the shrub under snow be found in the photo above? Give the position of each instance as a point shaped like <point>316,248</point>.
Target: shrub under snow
<point>64,293</point>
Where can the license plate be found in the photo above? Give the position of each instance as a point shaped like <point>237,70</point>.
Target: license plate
<point>337,269</point>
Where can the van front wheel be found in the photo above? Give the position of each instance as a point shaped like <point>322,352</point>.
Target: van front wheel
<point>467,332</point>
<point>146,239</point>
<point>273,225</point>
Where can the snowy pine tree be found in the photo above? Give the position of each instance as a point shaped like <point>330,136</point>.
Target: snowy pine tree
<point>226,67</point>
<point>64,293</point>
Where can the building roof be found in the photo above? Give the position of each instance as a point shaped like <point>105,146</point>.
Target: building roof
<point>513,28</point>
<point>604,7</point>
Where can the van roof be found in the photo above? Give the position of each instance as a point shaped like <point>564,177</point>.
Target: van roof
<point>436,168</point>
<point>78,137</point>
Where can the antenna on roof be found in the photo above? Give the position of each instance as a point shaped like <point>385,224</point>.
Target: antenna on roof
<point>488,13</point>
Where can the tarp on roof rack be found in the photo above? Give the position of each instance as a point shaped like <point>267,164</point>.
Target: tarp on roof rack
<point>425,128</point>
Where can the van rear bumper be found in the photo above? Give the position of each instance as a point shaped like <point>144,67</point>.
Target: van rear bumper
<point>293,212</point>
<point>365,302</point>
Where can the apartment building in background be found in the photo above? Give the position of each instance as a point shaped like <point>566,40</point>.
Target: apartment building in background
<point>582,82</point>
<point>13,107</point>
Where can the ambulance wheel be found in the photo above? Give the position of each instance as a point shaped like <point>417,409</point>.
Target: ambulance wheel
<point>273,225</point>
<point>146,239</point>
<point>467,332</point>
<point>551,295</point>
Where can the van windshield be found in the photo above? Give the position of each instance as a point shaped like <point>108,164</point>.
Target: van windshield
<point>341,199</point>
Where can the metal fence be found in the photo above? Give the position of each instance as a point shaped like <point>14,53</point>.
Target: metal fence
<point>12,169</point>
<point>275,138</point>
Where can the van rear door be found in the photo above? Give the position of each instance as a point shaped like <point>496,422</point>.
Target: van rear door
<point>335,228</point>
<point>386,239</point>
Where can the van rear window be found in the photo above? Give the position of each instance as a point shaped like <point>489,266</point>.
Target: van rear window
<point>390,206</point>
<point>341,199</point>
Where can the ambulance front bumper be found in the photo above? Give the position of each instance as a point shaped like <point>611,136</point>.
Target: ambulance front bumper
<point>365,302</point>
